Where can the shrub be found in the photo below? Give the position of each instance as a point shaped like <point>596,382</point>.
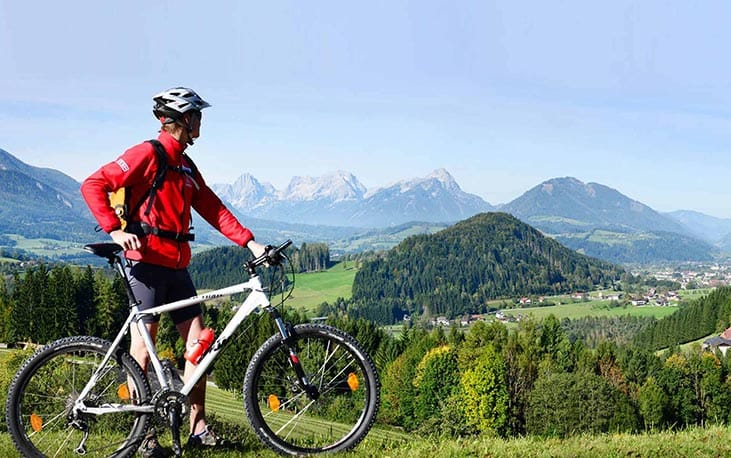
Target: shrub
<point>562,404</point>
<point>10,362</point>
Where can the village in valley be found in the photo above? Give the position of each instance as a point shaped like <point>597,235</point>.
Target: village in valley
<point>688,279</point>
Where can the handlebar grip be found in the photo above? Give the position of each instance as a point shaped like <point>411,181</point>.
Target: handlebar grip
<point>273,254</point>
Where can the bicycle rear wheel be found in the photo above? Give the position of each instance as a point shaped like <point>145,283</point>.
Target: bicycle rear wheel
<point>39,410</point>
<point>333,413</point>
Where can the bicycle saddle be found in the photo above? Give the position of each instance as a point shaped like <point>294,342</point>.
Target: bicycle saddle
<point>105,250</point>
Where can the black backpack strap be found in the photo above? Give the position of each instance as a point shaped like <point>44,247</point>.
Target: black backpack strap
<point>162,167</point>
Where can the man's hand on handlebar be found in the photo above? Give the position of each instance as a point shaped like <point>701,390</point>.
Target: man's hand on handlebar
<point>256,248</point>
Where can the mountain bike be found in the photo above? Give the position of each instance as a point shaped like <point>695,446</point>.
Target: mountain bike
<point>309,388</point>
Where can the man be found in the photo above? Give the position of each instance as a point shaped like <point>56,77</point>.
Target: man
<point>157,235</point>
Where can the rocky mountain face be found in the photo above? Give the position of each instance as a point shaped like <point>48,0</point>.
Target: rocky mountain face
<point>340,199</point>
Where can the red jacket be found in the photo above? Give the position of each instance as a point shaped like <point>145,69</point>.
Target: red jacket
<point>135,170</point>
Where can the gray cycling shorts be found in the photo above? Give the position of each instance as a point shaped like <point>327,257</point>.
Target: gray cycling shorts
<point>155,285</point>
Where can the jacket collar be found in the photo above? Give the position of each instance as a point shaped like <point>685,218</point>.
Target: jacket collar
<point>172,146</point>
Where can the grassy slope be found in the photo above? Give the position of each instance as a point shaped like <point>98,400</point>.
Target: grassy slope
<point>711,441</point>
<point>314,288</point>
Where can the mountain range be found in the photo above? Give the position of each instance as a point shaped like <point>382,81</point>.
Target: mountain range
<point>339,199</point>
<point>336,208</point>
<point>40,202</point>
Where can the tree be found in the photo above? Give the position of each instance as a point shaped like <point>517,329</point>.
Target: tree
<point>398,392</point>
<point>85,309</point>
<point>62,303</point>
<point>5,311</point>
<point>483,395</point>
<point>707,378</point>
<point>653,404</point>
<point>110,302</point>
<point>30,303</point>
<point>562,404</point>
<point>436,377</point>
<point>675,380</point>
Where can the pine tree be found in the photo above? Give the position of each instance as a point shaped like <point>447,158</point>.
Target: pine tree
<point>62,303</point>
<point>84,299</point>
<point>5,311</point>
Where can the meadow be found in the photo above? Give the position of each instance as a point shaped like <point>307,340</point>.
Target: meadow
<point>313,288</point>
<point>591,308</point>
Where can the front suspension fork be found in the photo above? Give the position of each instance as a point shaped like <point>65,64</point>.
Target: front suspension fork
<point>287,331</point>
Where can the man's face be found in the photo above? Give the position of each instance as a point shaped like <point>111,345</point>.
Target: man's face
<point>195,118</point>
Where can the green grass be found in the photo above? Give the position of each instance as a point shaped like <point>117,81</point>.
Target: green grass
<point>557,219</point>
<point>713,441</point>
<point>692,294</point>
<point>314,288</point>
<point>591,308</point>
<point>229,407</point>
<point>47,247</point>
<point>609,237</point>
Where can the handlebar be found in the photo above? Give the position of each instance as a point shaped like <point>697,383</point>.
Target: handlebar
<point>272,256</point>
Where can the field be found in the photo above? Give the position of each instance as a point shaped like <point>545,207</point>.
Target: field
<point>47,247</point>
<point>569,308</point>
<point>713,441</point>
<point>591,308</point>
<point>313,288</point>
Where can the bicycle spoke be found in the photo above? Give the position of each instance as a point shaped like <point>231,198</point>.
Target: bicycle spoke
<point>295,417</point>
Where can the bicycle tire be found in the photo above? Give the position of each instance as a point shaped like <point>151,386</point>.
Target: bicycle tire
<point>289,422</point>
<point>44,389</point>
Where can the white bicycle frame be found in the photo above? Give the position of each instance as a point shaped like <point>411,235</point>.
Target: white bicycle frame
<point>255,300</point>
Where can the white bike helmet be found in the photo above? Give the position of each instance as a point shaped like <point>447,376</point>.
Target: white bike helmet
<point>174,103</point>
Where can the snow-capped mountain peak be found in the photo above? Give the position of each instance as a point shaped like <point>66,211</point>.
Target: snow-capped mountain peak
<point>245,192</point>
<point>334,187</point>
<point>339,199</point>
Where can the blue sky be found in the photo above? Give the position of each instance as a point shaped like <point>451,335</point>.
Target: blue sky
<point>635,95</point>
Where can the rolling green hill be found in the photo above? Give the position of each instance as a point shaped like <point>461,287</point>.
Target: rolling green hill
<point>459,269</point>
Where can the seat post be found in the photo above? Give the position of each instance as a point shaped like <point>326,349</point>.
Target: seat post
<point>119,267</point>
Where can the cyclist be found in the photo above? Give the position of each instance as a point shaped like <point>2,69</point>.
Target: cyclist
<point>158,255</point>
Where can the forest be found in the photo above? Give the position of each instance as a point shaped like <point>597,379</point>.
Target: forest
<point>222,266</point>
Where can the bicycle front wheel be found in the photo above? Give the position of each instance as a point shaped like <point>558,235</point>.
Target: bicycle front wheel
<point>39,410</point>
<point>336,408</point>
